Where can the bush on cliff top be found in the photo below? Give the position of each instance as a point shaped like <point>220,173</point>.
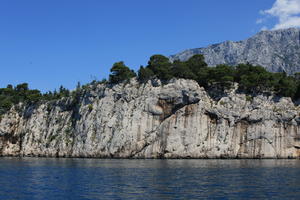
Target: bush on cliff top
<point>120,72</point>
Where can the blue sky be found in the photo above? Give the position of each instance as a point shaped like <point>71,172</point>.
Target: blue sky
<point>59,42</point>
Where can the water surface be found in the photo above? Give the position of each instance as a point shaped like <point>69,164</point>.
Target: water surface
<point>51,178</point>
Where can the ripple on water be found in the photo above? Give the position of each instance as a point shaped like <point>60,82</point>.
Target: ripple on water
<point>50,178</point>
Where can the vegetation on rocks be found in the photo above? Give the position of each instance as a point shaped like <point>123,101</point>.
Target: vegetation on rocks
<point>251,80</point>
<point>21,93</point>
<point>120,72</point>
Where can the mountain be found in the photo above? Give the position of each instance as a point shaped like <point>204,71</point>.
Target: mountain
<point>153,120</point>
<point>277,51</point>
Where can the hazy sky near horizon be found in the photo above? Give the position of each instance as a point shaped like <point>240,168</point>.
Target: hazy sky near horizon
<point>59,42</point>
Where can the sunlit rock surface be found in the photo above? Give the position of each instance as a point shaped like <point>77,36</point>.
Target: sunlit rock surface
<point>154,120</point>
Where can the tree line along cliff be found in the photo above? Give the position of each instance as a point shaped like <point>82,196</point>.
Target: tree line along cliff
<point>251,80</point>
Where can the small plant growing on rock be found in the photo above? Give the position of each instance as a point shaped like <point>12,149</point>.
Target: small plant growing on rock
<point>249,98</point>
<point>222,103</point>
<point>90,106</point>
<point>276,109</point>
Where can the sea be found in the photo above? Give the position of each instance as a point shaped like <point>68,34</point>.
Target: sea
<point>80,178</point>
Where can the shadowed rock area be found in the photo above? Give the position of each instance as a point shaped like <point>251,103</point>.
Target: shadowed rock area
<point>175,120</point>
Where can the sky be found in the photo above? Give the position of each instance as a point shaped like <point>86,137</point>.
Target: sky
<point>60,42</point>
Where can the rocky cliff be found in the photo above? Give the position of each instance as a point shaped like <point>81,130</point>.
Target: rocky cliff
<point>277,51</point>
<point>175,120</point>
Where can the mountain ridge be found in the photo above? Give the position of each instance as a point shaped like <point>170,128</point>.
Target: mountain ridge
<point>277,51</point>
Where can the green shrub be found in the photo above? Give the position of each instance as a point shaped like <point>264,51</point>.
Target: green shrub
<point>161,67</point>
<point>90,106</point>
<point>120,72</point>
<point>249,98</point>
<point>222,103</point>
<point>144,74</point>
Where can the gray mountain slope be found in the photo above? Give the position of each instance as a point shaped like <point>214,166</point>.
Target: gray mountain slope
<point>277,51</point>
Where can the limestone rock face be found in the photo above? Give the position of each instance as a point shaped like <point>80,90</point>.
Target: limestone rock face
<point>277,51</point>
<point>154,120</point>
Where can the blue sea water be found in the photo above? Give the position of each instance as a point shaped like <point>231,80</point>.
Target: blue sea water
<point>63,178</point>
